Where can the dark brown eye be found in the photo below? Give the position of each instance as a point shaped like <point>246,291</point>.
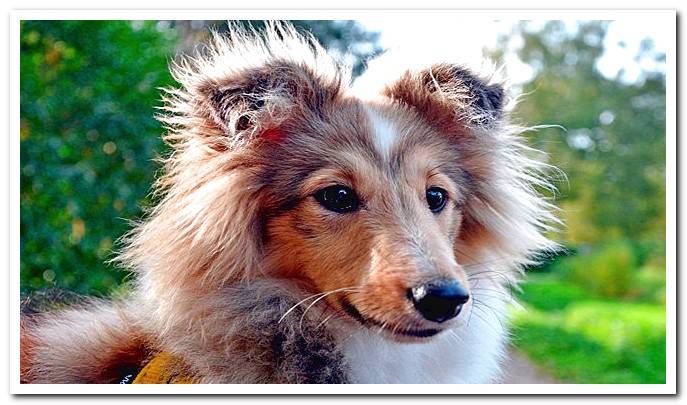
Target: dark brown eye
<point>337,198</point>
<point>436,199</point>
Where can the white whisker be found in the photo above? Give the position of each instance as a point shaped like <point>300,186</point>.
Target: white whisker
<point>323,296</point>
<point>296,306</point>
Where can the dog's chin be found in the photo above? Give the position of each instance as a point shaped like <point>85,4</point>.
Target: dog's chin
<point>409,335</point>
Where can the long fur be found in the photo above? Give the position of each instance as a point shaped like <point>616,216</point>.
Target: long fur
<point>233,273</point>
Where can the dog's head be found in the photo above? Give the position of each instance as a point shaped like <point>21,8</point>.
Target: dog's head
<point>392,208</point>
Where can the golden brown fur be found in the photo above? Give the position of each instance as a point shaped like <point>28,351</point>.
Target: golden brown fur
<point>244,276</point>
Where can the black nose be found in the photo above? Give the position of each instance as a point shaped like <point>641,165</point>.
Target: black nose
<point>439,300</point>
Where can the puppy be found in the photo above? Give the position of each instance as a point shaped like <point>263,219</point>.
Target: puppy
<point>305,234</point>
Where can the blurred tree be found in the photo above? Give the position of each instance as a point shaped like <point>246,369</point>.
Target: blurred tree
<point>89,137</point>
<point>613,152</point>
<point>613,148</point>
<point>345,39</point>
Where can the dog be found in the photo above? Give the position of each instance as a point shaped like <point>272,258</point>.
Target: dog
<point>308,234</point>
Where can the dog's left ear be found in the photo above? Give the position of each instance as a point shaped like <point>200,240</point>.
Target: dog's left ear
<point>450,92</point>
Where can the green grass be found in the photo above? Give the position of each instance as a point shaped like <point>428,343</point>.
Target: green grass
<point>581,339</point>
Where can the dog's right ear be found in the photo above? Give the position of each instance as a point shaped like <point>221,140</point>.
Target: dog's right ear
<point>258,100</point>
<point>248,84</point>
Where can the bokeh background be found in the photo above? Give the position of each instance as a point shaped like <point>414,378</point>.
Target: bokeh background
<point>595,313</point>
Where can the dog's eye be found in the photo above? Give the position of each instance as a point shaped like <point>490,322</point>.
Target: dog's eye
<point>339,199</point>
<point>436,198</point>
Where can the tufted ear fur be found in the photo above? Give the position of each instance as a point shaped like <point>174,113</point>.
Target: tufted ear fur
<point>261,98</point>
<point>450,92</point>
<point>248,84</point>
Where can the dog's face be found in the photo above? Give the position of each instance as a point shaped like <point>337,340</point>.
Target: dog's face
<point>387,208</point>
<point>365,200</point>
<point>370,205</point>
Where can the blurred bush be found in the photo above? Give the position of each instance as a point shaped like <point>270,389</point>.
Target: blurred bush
<point>617,325</point>
<point>582,339</point>
<point>606,271</point>
<point>649,284</point>
<point>550,294</point>
<point>88,139</point>
<point>614,269</point>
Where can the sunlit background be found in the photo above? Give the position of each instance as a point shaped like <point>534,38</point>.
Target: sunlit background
<point>624,57</point>
<point>593,314</point>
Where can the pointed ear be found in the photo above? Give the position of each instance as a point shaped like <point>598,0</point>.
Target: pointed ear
<point>260,99</point>
<point>450,92</point>
<point>247,83</point>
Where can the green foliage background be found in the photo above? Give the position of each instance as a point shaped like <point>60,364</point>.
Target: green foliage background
<point>596,314</point>
<point>88,139</point>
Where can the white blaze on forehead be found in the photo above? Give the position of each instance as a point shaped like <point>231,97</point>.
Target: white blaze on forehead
<point>384,132</point>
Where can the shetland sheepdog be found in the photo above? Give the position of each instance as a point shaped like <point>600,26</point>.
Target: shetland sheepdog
<point>306,233</point>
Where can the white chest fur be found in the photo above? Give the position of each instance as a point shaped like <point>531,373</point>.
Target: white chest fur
<point>470,353</point>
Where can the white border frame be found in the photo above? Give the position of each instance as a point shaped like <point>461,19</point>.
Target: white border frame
<point>669,16</point>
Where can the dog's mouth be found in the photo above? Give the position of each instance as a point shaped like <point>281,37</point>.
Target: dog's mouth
<point>394,330</point>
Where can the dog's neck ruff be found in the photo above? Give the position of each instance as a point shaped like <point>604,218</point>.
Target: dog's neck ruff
<point>470,353</point>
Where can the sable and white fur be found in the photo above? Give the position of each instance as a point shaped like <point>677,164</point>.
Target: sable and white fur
<point>246,279</point>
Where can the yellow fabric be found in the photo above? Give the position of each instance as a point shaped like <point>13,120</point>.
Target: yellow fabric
<point>162,369</point>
